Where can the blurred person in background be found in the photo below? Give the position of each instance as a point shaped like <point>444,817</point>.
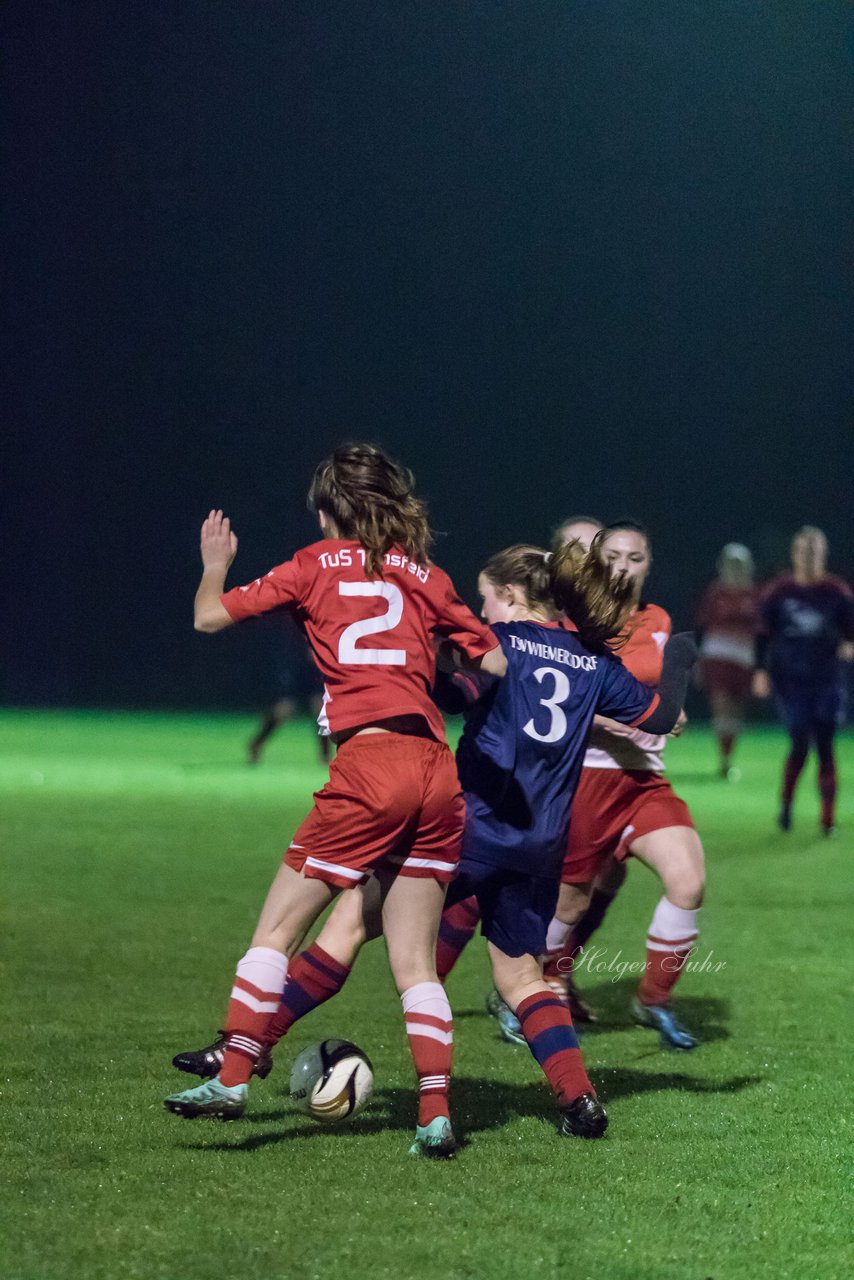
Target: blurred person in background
<point>807,633</point>
<point>299,689</point>
<point>728,619</point>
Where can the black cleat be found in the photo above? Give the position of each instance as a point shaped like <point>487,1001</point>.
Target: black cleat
<point>208,1061</point>
<point>584,1117</point>
<point>784,818</point>
<point>830,830</point>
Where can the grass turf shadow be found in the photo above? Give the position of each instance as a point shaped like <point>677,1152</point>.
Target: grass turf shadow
<point>705,1015</point>
<point>479,1105</point>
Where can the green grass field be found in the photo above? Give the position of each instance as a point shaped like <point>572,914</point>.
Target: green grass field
<point>137,849</point>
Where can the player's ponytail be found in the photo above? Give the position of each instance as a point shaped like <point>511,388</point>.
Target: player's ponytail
<point>570,581</point>
<point>370,497</point>
<point>595,600</point>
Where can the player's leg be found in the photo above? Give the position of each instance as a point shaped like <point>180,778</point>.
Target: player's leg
<point>280,711</point>
<point>676,855</point>
<point>319,972</point>
<point>795,707</point>
<point>458,926</point>
<point>590,879</point>
<point>727,722</point>
<point>292,905</point>
<point>563,947</point>
<point>411,910</point>
<point>314,975</point>
<point>607,885</point>
<point>546,1024</point>
<point>824,732</point>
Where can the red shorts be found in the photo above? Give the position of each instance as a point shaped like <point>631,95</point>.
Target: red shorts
<point>391,800</point>
<point>611,809</point>
<point>718,676</point>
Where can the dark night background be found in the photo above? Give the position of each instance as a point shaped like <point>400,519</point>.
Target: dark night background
<point>584,255</point>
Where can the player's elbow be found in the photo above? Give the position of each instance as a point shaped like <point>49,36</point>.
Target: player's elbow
<point>208,622</point>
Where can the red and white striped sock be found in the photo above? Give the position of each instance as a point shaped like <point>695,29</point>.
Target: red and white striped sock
<point>430,1028</point>
<point>254,1000</point>
<point>671,938</point>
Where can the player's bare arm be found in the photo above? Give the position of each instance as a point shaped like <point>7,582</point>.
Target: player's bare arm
<point>450,659</point>
<point>218,548</point>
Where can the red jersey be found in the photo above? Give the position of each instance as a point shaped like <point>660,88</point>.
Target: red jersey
<point>643,655</point>
<point>372,639</point>
<point>729,620</point>
<point>731,610</point>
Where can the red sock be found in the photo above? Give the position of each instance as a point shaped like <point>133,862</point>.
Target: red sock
<point>827,791</point>
<point>314,977</point>
<point>456,930</point>
<point>254,999</point>
<point>429,1026</point>
<point>548,1028</point>
<point>671,937</point>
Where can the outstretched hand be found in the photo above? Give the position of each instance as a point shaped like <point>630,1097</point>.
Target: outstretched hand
<point>219,543</point>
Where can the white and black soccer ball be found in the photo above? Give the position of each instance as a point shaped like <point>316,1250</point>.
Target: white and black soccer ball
<point>331,1081</point>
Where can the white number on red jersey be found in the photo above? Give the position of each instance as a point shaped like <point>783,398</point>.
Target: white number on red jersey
<point>347,651</point>
<point>560,693</point>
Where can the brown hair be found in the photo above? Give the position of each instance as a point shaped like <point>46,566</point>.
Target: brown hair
<point>557,532</point>
<point>370,498</point>
<point>571,581</point>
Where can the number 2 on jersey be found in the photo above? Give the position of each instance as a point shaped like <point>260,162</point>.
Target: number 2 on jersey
<point>560,693</point>
<point>348,653</point>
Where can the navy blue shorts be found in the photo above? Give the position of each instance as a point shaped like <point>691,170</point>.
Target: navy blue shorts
<point>516,909</point>
<point>801,705</point>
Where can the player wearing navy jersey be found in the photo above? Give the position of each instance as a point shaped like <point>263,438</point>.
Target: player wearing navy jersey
<point>808,626</point>
<point>519,760</point>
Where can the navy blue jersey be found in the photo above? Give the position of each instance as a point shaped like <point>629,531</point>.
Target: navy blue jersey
<point>522,748</point>
<point>805,624</point>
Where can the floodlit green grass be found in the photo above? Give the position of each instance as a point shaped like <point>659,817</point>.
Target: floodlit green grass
<point>137,850</point>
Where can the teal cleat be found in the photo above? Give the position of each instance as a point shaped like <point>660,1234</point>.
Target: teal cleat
<point>435,1140</point>
<point>662,1018</point>
<point>509,1025</point>
<point>210,1099</point>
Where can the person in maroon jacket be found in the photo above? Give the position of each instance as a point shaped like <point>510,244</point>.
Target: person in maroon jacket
<point>808,627</point>
<point>728,619</point>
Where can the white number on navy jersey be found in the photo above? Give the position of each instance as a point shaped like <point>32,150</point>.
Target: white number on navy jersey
<point>347,651</point>
<point>560,693</point>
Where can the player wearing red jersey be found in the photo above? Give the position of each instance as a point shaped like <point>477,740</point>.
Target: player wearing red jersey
<point>728,618</point>
<point>372,605</point>
<point>581,529</point>
<point>808,629</point>
<point>624,806</point>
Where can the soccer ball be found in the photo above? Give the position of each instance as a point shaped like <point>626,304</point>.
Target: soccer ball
<point>331,1081</point>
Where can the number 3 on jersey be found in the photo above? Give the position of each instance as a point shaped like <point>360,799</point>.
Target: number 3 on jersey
<point>560,693</point>
<point>348,653</point>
